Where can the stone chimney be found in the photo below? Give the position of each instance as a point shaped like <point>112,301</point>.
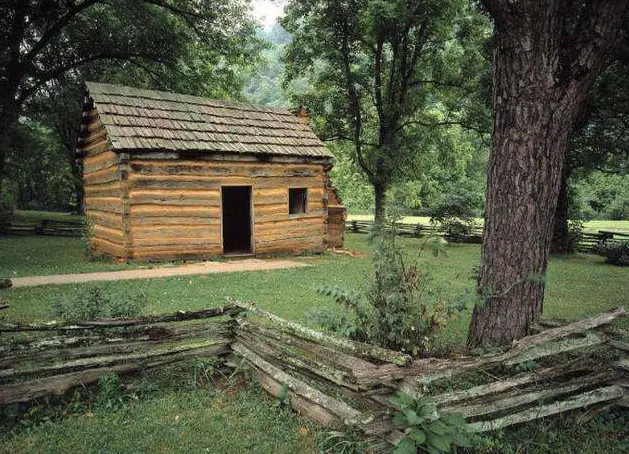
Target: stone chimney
<point>302,113</point>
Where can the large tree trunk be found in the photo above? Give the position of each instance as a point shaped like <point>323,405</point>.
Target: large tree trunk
<point>541,78</point>
<point>562,242</point>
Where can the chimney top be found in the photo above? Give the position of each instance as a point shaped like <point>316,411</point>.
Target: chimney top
<point>302,113</point>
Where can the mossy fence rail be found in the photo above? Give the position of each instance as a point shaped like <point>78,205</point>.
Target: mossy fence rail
<point>328,379</point>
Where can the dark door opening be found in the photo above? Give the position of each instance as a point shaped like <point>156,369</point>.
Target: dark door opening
<point>236,205</point>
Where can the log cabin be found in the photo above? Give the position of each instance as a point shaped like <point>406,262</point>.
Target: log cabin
<point>171,177</point>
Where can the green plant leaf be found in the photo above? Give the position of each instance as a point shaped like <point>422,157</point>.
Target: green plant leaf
<point>437,427</point>
<point>399,420</point>
<point>401,400</point>
<point>405,446</point>
<point>460,439</point>
<point>418,436</point>
<point>411,416</point>
<point>438,441</point>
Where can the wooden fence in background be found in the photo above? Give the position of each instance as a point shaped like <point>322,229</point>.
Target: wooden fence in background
<point>11,226</point>
<point>588,242</point>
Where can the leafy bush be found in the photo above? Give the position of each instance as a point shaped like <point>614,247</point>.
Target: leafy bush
<point>90,302</point>
<point>398,308</point>
<point>616,254</point>
<point>455,216</point>
<point>425,428</point>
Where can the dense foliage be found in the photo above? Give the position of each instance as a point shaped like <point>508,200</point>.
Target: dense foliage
<point>385,75</point>
<point>50,48</point>
<point>91,302</point>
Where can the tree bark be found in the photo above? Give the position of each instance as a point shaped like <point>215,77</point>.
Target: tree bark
<point>542,73</point>
<point>562,242</point>
<point>380,195</point>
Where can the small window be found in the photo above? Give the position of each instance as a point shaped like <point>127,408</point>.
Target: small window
<point>297,199</point>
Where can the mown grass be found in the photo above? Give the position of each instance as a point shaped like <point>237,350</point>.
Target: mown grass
<point>242,421</point>
<point>173,419</point>
<point>41,255</point>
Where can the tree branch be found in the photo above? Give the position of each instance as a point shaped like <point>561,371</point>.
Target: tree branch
<point>56,28</point>
<point>46,76</point>
<point>354,100</point>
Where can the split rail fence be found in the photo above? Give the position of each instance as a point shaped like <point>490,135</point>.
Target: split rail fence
<point>9,226</point>
<point>331,380</point>
<point>588,241</point>
<point>46,359</point>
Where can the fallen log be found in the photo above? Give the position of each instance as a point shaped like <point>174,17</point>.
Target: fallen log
<point>566,330</point>
<point>358,348</point>
<point>424,371</point>
<point>340,359</point>
<point>293,360</point>
<point>109,346</point>
<point>4,306</point>
<point>300,405</point>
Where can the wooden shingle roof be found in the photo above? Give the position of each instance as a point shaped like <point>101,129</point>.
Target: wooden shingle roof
<point>138,119</point>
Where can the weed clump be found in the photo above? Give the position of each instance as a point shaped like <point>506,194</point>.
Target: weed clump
<point>91,302</point>
<point>398,308</point>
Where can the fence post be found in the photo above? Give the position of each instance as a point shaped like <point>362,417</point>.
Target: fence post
<point>354,226</point>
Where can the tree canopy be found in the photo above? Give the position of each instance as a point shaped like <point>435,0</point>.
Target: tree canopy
<point>380,70</point>
<point>49,47</point>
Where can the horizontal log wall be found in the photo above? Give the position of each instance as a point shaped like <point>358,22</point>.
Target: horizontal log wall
<point>102,179</point>
<point>175,206</point>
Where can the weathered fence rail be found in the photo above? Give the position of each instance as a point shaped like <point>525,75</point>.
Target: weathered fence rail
<point>338,381</point>
<point>328,379</point>
<point>588,241</point>
<point>34,363</point>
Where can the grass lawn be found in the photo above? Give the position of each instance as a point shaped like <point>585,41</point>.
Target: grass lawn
<point>241,421</point>
<point>174,419</point>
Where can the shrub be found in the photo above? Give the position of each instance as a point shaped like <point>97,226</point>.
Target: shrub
<point>90,302</point>
<point>455,216</point>
<point>616,254</point>
<point>398,308</point>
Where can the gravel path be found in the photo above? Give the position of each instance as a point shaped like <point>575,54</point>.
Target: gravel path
<point>184,270</point>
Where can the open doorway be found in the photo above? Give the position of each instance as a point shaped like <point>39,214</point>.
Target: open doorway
<point>236,206</point>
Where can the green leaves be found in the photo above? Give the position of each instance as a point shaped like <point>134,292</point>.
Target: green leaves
<point>425,428</point>
<point>405,446</point>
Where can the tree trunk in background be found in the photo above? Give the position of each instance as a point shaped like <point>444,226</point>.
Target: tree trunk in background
<point>380,195</point>
<point>562,242</point>
<point>541,78</point>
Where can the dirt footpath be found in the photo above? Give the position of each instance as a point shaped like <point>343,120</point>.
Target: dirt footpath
<point>184,270</point>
